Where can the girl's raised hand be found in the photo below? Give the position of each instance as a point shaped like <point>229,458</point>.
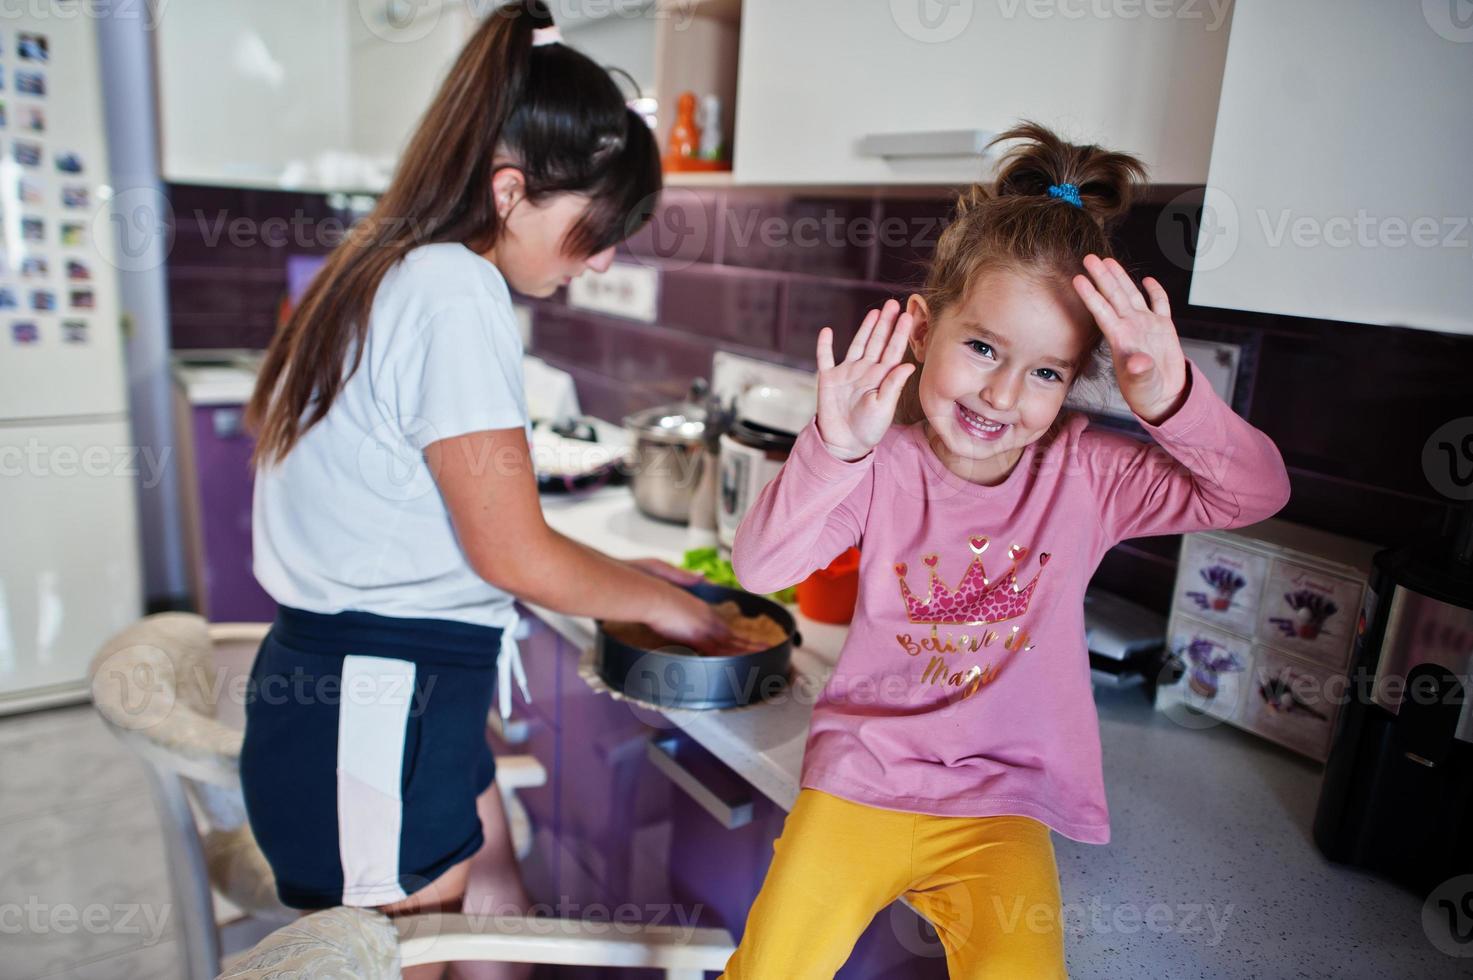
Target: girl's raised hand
<point>1149,364</point>
<point>856,399</point>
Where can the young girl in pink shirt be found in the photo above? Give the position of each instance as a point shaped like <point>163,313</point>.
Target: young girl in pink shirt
<point>959,727</point>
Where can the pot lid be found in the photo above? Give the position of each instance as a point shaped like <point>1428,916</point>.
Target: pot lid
<point>678,422</point>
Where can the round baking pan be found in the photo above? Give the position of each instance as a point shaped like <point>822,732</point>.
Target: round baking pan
<point>672,679</point>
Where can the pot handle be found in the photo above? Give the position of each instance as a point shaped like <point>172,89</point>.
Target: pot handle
<point>730,805</point>
<point>797,638</point>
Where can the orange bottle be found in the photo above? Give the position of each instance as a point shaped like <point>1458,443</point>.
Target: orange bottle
<point>685,133</point>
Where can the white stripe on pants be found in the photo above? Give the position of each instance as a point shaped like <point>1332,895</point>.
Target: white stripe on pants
<point>373,715</point>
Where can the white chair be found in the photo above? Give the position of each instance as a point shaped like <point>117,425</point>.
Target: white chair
<point>158,686</point>
<point>362,943</point>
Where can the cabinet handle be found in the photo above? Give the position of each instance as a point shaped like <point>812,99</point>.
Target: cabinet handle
<point>227,422</point>
<point>935,143</point>
<point>732,808</point>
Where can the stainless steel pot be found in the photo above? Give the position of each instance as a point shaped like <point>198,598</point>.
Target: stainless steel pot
<point>669,451</point>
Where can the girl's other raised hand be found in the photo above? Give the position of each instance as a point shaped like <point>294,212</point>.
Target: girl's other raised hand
<point>857,398</point>
<point>1149,364</point>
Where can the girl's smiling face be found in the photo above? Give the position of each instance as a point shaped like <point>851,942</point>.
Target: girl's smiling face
<point>995,369</point>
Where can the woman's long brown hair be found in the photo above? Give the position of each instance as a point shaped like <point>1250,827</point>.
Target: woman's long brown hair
<point>554,114</point>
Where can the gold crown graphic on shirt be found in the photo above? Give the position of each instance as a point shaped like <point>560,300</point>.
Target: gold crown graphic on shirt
<point>976,600</point>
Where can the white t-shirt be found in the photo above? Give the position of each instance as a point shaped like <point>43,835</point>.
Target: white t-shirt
<point>352,518</point>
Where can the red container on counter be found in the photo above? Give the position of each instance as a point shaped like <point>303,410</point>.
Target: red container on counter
<point>829,594</point>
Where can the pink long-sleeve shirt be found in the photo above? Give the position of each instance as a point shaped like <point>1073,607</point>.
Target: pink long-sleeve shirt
<point>963,687</point>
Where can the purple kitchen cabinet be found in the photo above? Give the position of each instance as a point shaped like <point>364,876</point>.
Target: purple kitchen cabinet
<point>638,819</point>
<point>721,867</point>
<point>216,482</point>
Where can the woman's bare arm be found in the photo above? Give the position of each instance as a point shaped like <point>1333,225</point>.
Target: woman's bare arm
<point>489,487</point>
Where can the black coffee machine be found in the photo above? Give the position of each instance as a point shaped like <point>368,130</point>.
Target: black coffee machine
<point>1397,796</point>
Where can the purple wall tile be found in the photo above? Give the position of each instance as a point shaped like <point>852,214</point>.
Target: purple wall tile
<point>814,305</point>
<point>761,270</point>
<point>606,397</point>
<point>682,231</point>
<point>561,333</point>
<point>906,238</point>
<point>228,259</point>
<point>780,232</point>
<point>660,359</point>
<point>722,304</point>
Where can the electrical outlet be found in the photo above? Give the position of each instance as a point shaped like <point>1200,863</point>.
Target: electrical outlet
<point>626,290</point>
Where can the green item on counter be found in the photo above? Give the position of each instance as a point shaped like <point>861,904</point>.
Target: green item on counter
<point>709,563</point>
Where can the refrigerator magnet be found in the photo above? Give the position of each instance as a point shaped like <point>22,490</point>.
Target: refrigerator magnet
<point>24,333</point>
<point>33,229</point>
<point>68,163</point>
<point>33,267</point>
<point>43,300</point>
<point>77,271</point>
<point>33,119</point>
<point>27,153</point>
<point>73,233</point>
<point>30,83</point>
<point>83,299</point>
<point>7,299</point>
<point>74,331</point>
<point>30,190</point>
<point>32,47</point>
<point>74,197</point>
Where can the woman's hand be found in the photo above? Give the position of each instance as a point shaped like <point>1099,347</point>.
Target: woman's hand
<point>663,569</point>
<point>856,399</point>
<point>688,619</point>
<point>1149,364</point>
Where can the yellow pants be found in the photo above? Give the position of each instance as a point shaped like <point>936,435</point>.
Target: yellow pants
<point>988,884</point>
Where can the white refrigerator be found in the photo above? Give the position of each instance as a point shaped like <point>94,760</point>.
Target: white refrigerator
<point>69,467</point>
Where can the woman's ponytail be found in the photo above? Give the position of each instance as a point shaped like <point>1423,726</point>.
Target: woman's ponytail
<point>507,101</point>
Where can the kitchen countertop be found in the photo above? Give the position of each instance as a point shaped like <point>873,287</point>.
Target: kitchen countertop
<point>1211,870</point>
<point>763,742</point>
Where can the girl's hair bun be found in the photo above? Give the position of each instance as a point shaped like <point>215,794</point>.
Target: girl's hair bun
<point>1039,159</point>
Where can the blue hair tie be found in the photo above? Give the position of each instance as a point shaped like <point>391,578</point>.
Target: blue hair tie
<point>1068,192</point>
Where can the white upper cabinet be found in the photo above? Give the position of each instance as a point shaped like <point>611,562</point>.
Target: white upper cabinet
<point>839,91</point>
<point>306,94</point>
<point>1339,186</point>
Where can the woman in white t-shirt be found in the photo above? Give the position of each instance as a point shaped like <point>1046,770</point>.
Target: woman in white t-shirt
<point>396,512</point>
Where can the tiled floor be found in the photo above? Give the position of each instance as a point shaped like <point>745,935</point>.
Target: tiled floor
<point>1214,826</point>
<point>83,888</point>
<point>1211,872</point>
